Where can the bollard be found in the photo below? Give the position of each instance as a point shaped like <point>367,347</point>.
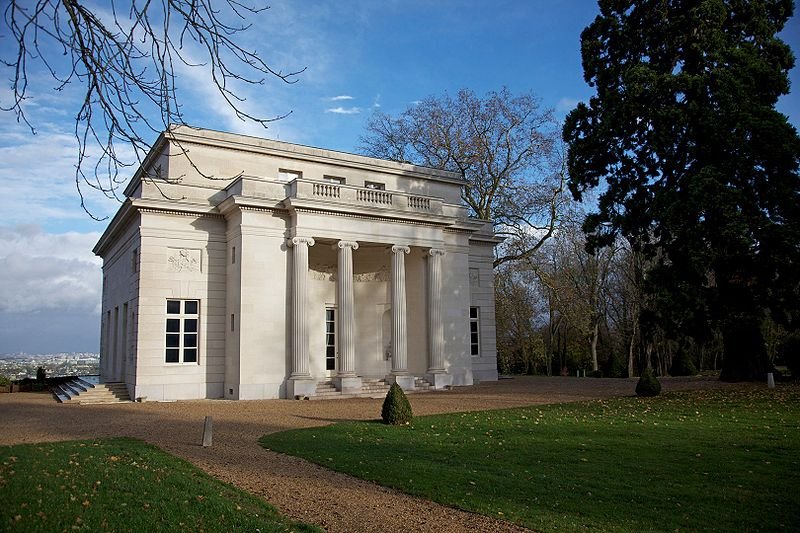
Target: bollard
<point>770,380</point>
<point>207,429</point>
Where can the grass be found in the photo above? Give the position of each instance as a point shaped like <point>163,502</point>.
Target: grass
<point>726,460</point>
<point>121,485</point>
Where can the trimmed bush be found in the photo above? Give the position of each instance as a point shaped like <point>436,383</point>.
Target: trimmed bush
<point>396,410</point>
<point>648,384</point>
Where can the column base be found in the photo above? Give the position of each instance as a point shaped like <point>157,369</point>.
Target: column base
<point>439,380</point>
<point>406,381</point>
<point>347,384</point>
<point>299,388</point>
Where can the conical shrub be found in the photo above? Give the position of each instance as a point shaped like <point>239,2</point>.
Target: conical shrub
<point>396,409</point>
<point>648,384</point>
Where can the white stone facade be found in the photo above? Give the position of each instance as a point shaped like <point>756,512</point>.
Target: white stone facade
<point>282,265</point>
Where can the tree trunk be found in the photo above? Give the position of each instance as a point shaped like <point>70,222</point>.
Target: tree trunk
<point>631,352</point>
<point>595,335</point>
<point>744,354</point>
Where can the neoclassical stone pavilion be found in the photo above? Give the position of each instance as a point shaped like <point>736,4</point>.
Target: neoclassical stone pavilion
<point>260,269</point>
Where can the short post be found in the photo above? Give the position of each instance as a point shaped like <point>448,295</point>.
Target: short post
<point>207,429</point>
<point>770,380</point>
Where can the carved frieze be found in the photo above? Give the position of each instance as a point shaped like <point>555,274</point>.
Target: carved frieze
<point>183,260</point>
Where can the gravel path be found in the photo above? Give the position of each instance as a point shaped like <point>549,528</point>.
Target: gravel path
<point>300,489</point>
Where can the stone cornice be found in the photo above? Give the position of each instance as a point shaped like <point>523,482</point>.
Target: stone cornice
<point>362,216</point>
<point>239,143</point>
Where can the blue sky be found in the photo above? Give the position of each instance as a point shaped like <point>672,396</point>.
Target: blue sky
<point>360,55</point>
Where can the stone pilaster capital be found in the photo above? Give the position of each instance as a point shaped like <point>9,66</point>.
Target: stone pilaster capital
<point>397,249</point>
<point>436,251</point>
<point>295,241</point>
<point>347,244</point>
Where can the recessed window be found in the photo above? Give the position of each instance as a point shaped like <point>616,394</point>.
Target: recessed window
<point>474,331</point>
<point>330,338</point>
<point>182,329</point>
<point>334,179</point>
<point>289,175</point>
<point>233,255</point>
<point>375,185</point>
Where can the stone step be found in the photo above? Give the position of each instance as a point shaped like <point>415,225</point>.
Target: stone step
<point>83,391</point>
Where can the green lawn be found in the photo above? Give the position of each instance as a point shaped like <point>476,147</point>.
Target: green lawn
<point>121,485</point>
<point>717,460</point>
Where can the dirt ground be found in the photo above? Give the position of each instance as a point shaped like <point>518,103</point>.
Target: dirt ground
<point>300,489</point>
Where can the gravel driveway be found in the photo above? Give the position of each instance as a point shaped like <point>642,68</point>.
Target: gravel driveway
<point>300,489</point>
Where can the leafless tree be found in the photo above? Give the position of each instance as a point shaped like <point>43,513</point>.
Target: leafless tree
<point>507,148</point>
<point>125,57</point>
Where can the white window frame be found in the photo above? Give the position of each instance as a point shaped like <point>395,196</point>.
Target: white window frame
<point>375,185</point>
<point>182,333</point>
<point>331,343</point>
<point>475,322</point>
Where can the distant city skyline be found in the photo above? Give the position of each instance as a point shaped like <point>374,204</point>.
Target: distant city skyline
<point>360,55</point>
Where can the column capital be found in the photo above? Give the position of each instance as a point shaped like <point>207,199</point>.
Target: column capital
<point>347,244</point>
<point>397,249</point>
<point>295,241</point>
<point>436,251</point>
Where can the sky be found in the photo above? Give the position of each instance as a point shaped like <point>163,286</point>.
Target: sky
<point>360,56</point>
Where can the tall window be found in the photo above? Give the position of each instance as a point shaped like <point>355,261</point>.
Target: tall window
<point>474,331</point>
<point>183,317</point>
<point>330,338</point>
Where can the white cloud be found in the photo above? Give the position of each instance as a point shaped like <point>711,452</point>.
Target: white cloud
<point>344,110</point>
<point>340,98</point>
<point>37,176</point>
<point>48,271</point>
<point>565,104</point>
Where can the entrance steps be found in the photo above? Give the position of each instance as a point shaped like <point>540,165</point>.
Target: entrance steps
<point>370,388</point>
<point>88,390</point>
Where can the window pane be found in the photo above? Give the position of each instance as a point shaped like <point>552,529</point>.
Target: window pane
<point>330,352</point>
<point>474,338</point>
<point>190,340</point>
<point>173,340</point>
<point>473,327</point>
<point>174,307</point>
<point>173,325</point>
<point>190,355</point>
<point>330,339</point>
<point>474,349</point>
<point>189,325</point>
<point>329,315</point>
<point>172,355</point>
<point>329,327</point>
<point>473,312</point>
<point>190,307</point>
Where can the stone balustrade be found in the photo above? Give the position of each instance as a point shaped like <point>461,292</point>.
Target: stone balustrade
<point>363,197</point>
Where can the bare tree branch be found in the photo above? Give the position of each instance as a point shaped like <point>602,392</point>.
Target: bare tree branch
<point>126,62</point>
<point>507,148</point>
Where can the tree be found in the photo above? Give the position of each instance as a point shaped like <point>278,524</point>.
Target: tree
<point>507,149</point>
<point>126,60</point>
<point>700,170</point>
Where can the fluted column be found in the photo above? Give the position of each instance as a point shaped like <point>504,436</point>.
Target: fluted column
<point>435,331</point>
<point>300,246</point>
<point>399,327</point>
<point>345,303</point>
